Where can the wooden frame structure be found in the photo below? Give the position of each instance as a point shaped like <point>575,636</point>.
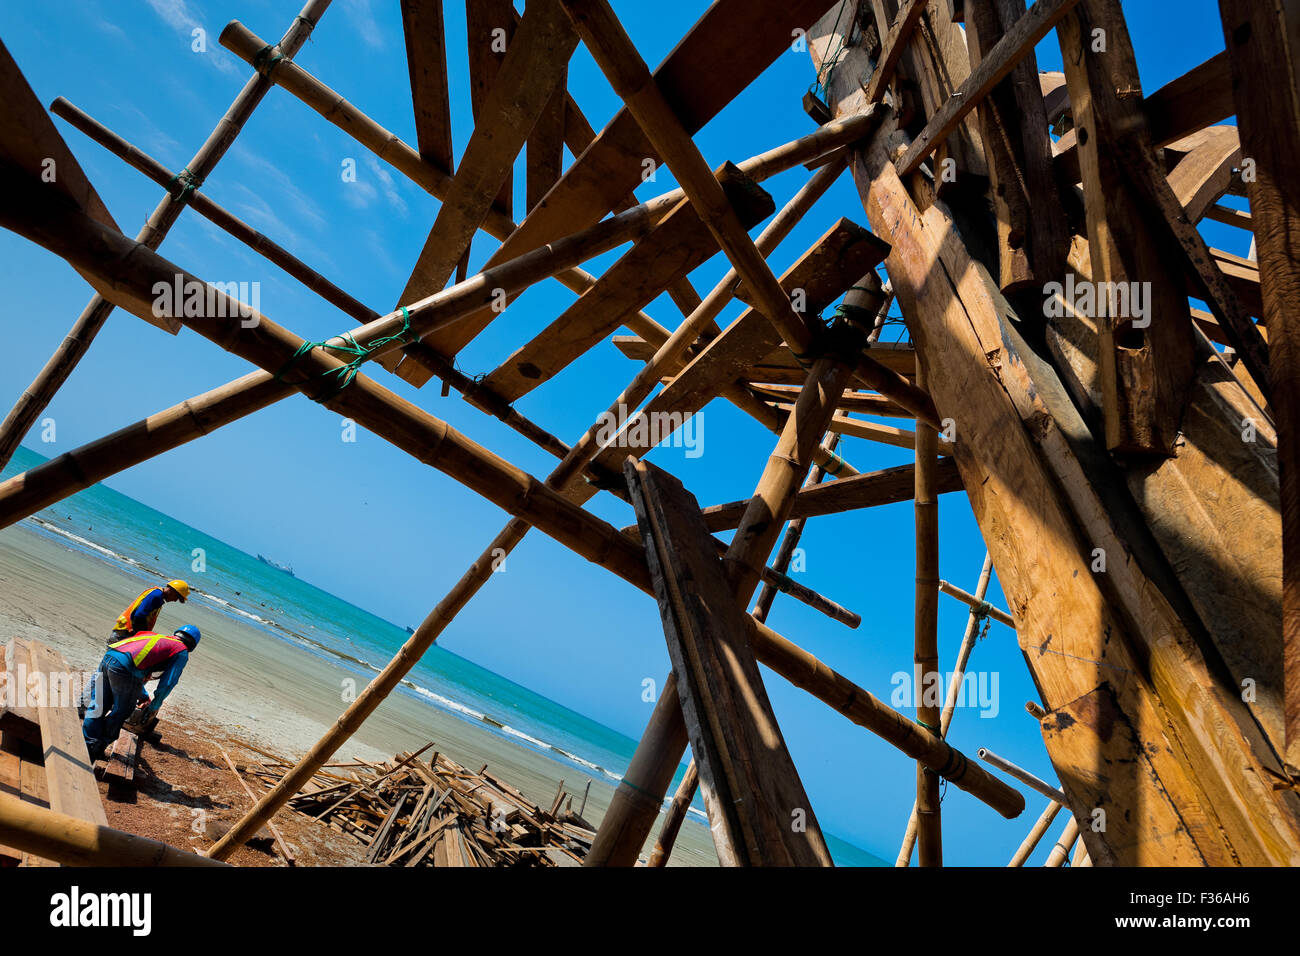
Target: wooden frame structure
<point>1138,534</point>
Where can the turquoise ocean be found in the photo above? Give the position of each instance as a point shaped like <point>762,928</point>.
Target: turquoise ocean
<point>112,527</point>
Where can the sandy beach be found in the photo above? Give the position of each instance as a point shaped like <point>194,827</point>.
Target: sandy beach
<point>254,687</point>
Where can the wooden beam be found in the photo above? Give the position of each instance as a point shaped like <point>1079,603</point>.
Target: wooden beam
<point>68,771</point>
<point>426,61</point>
<point>546,149</point>
<point>676,246</point>
<point>751,788</point>
<point>1205,173</point>
<point>1199,98</point>
<point>1016,43</point>
<point>1262,44</point>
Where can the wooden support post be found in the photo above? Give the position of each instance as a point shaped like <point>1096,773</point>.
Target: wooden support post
<point>968,640</point>
<point>1030,842</point>
<point>489,30</point>
<point>927,678</point>
<point>56,371</point>
<point>1261,44</point>
<point>674,816</point>
<point>751,789</point>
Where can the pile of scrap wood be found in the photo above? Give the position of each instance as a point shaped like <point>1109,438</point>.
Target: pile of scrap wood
<point>410,812</point>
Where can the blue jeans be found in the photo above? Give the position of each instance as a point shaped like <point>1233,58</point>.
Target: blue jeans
<point>116,689</point>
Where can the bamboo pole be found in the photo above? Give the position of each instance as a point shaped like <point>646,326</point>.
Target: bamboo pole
<point>674,816</point>
<point>1021,774</point>
<point>790,541</point>
<point>977,604</point>
<point>1030,842</point>
<point>75,842</point>
<point>50,379</point>
<point>968,640</point>
<point>1080,857</point>
<point>1064,842</point>
<point>926,653</point>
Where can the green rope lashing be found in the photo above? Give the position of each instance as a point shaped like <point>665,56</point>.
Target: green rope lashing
<point>265,59</point>
<point>835,465</point>
<point>187,182</point>
<point>346,374</point>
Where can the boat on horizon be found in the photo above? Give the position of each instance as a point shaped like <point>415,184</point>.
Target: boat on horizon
<point>274,564</point>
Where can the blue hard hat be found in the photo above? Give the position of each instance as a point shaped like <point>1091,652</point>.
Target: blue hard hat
<point>190,631</point>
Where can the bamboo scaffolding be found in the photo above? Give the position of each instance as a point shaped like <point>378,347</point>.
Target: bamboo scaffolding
<point>1035,834</point>
<point>968,640</point>
<point>977,604</point>
<point>926,639</point>
<point>66,358</point>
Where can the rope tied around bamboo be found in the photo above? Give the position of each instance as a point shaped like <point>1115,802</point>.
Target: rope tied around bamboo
<point>266,59</point>
<point>183,184</point>
<point>348,345</point>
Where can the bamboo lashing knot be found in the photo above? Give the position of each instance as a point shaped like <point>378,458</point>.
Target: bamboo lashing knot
<point>187,182</point>
<point>349,346</point>
<point>265,59</point>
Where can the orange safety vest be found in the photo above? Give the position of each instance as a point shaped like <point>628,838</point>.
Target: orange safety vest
<point>148,652</point>
<point>124,625</point>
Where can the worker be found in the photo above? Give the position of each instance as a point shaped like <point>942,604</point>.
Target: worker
<point>119,684</point>
<point>142,613</point>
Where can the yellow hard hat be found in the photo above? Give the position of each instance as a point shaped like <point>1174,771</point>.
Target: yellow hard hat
<point>180,587</point>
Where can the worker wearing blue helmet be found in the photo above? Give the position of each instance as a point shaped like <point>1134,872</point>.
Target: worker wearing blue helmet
<point>119,685</point>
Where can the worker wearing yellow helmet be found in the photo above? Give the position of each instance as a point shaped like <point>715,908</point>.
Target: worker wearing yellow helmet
<point>142,613</point>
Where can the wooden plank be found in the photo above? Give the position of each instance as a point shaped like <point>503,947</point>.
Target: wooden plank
<point>778,366</point>
<point>1018,41</point>
<point>750,786</point>
<point>123,761</point>
<point>1205,173</point>
<point>1262,43</point>
<point>546,148</point>
<point>489,27</point>
<point>676,246</point>
<point>426,61</point>
<point>704,72</point>
<point>69,774</point>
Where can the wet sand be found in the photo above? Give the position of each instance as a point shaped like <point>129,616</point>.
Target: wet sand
<point>258,688</point>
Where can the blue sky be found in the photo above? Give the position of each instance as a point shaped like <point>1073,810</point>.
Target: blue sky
<point>370,524</point>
